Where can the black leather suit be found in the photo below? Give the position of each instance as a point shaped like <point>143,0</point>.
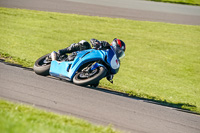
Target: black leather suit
<point>83,45</point>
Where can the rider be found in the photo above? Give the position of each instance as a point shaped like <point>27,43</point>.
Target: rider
<point>118,45</point>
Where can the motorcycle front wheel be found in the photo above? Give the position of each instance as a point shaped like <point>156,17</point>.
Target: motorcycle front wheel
<point>89,78</point>
<point>42,65</point>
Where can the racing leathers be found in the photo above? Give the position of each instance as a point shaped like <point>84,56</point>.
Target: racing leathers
<point>83,45</point>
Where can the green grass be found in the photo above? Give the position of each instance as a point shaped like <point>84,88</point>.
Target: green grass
<point>18,118</point>
<point>186,2</point>
<point>162,60</point>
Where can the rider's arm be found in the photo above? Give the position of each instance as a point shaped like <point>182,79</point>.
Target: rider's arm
<point>105,44</point>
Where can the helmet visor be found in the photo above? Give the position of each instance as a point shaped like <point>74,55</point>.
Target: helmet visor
<point>119,52</point>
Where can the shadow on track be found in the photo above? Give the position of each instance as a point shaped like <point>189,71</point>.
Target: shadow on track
<point>153,101</point>
<point>177,106</point>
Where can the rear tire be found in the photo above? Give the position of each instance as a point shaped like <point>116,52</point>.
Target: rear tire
<point>90,80</point>
<point>40,67</point>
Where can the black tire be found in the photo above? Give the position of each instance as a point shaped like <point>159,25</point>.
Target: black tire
<point>40,67</point>
<point>91,80</point>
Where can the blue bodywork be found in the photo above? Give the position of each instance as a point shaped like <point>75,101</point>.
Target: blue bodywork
<point>67,69</point>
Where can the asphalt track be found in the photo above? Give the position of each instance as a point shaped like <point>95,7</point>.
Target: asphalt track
<point>99,106</point>
<point>130,9</point>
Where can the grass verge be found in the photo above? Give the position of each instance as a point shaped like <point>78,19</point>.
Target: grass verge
<point>18,118</point>
<point>185,2</point>
<point>162,60</point>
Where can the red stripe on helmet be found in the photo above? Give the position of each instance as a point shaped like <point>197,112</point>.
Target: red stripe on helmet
<point>119,42</point>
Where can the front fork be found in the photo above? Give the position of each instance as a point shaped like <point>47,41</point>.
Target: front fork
<point>109,77</point>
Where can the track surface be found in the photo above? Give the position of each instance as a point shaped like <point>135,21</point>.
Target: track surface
<point>130,9</point>
<point>96,105</point>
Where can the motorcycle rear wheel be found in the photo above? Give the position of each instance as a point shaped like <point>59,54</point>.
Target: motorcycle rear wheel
<point>91,80</point>
<point>41,67</point>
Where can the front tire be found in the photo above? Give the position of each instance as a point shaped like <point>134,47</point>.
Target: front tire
<point>81,80</point>
<point>41,66</point>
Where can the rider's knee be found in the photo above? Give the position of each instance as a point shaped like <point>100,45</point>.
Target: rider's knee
<point>84,45</point>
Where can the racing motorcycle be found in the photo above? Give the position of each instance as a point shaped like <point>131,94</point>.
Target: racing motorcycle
<point>87,67</point>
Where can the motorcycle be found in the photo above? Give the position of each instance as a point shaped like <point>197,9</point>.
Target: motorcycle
<point>87,67</point>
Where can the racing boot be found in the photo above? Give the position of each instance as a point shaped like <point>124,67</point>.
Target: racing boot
<point>54,56</point>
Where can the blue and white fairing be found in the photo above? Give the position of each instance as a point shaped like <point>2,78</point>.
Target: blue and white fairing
<point>67,69</point>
